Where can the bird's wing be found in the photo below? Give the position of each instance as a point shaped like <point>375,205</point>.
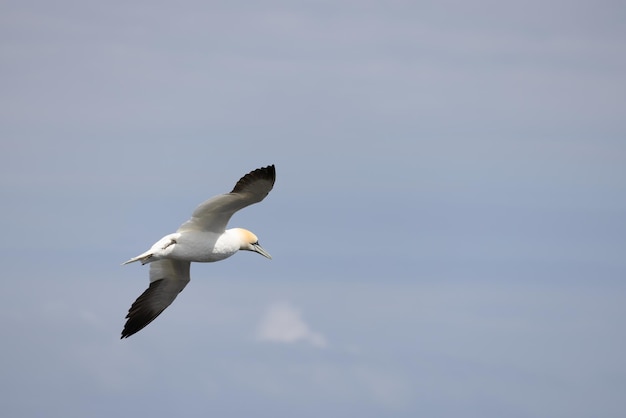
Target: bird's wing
<point>167,279</point>
<point>214,214</point>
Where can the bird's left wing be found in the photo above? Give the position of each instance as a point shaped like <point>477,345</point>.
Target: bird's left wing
<point>167,279</point>
<point>214,214</point>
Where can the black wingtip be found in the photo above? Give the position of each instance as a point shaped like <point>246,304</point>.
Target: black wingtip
<point>141,313</point>
<point>265,173</point>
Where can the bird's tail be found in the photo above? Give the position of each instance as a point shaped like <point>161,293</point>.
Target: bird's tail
<point>144,258</point>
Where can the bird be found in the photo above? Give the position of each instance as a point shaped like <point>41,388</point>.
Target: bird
<point>203,238</point>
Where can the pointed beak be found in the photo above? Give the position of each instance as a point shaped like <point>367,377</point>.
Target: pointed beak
<point>257,248</point>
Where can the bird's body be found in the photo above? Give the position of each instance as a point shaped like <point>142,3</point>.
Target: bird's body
<point>203,238</point>
<point>198,246</point>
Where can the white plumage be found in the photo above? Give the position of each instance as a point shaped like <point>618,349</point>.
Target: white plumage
<point>203,238</point>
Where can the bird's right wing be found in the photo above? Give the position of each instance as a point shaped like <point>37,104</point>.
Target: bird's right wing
<point>167,279</point>
<point>213,215</point>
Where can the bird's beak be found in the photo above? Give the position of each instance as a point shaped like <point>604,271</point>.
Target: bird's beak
<point>257,248</point>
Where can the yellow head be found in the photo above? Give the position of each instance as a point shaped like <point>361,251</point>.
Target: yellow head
<point>250,242</point>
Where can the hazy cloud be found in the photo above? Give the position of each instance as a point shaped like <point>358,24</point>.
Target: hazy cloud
<point>282,323</point>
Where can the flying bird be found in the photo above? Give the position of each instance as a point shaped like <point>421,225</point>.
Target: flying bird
<point>203,238</point>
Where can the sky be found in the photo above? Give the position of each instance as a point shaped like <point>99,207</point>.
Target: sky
<point>448,223</point>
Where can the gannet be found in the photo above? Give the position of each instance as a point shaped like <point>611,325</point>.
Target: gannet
<point>203,238</point>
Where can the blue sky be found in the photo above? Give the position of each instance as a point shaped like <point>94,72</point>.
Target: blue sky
<point>448,223</point>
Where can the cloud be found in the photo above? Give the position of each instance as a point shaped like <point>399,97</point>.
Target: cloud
<point>282,323</point>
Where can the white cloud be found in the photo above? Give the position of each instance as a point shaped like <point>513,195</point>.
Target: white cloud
<point>282,323</point>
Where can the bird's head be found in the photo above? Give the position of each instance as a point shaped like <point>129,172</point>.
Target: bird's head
<point>250,242</point>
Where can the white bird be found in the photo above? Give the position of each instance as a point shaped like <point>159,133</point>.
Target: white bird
<point>203,238</point>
